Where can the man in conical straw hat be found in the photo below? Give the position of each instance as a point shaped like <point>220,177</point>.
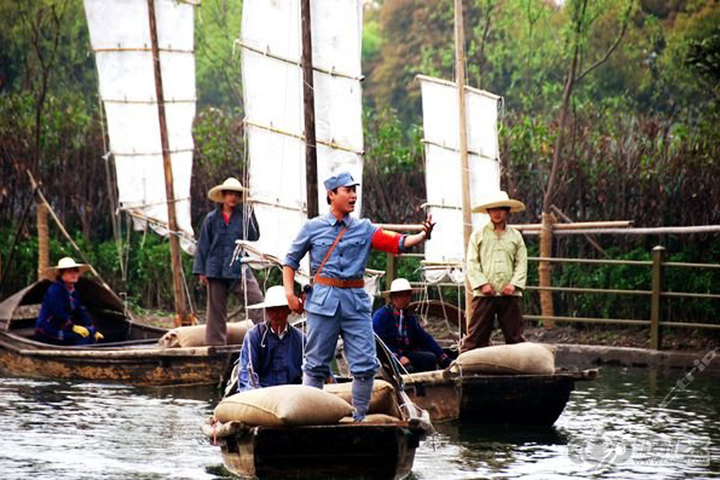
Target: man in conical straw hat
<point>232,220</point>
<point>496,272</point>
<point>62,319</point>
<point>401,331</point>
<point>272,351</point>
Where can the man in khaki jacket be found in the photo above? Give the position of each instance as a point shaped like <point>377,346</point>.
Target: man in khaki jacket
<point>496,272</point>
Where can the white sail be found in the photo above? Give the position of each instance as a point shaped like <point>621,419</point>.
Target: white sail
<point>443,169</point>
<point>120,37</point>
<point>273,100</point>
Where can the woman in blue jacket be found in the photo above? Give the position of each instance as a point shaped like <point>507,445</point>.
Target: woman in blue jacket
<point>62,319</point>
<point>401,331</point>
<point>213,260</point>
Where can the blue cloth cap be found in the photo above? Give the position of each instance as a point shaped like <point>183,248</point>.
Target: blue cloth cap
<point>343,179</point>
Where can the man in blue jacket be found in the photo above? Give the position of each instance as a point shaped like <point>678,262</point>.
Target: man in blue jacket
<point>232,220</point>
<point>62,319</point>
<point>339,246</point>
<point>399,328</point>
<point>272,351</point>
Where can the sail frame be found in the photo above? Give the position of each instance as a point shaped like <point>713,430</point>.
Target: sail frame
<point>120,39</point>
<point>445,251</point>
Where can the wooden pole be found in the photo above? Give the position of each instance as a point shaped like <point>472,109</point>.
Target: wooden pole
<point>547,308</point>
<point>311,179</point>
<point>658,257</point>
<point>462,127</point>
<point>43,240</point>
<point>181,316</point>
<point>390,269</point>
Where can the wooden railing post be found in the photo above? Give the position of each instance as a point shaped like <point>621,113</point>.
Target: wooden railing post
<point>390,269</point>
<point>658,258</point>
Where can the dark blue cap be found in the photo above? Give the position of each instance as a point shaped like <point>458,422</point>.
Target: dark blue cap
<point>343,179</point>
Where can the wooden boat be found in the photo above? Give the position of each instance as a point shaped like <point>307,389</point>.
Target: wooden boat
<point>532,400</point>
<point>129,353</point>
<point>344,450</point>
<point>372,451</point>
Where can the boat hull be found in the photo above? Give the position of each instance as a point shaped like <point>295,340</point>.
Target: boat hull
<point>533,400</point>
<point>368,451</point>
<point>134,365</point>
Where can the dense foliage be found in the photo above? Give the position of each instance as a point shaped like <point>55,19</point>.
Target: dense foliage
<point>643,133</point>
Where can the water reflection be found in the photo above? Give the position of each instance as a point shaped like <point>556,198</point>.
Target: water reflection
<point>84,430</point>
<point>612,428</point>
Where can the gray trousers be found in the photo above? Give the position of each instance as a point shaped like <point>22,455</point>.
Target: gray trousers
<point>217,298</point>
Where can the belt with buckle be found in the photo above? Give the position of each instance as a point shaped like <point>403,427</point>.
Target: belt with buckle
<point>339,283</point>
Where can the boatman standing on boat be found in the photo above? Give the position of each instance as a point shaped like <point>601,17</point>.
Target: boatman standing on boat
<point>271,351</point>
<point>339,247</point>
<point>231,220</point>
<point>62,319</point>
<point>496,272</point>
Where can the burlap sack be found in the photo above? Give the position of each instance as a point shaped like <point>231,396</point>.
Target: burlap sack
<point>526,357</point>
<point>373,418</point>
<point>283,405</point>
<point>382,400</point>
<point>195,336</point>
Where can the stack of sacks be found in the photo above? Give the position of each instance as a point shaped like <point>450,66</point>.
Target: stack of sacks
<point>383,403</point>
<point>283,405</point>
<point>195,336</point>
<point>518,358</point>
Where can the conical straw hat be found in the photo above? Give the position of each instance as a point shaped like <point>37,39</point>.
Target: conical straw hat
<point>231,183</point>
<point>500,199</point>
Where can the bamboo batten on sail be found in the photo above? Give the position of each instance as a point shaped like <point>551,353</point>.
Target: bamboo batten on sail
<point>442,168</point>
<point>124,61</point>
<point>273,98</point>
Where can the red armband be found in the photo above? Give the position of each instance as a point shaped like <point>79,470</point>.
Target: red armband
<point>386,241</point>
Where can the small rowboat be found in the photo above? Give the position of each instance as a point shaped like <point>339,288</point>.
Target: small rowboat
<point>129,354</point>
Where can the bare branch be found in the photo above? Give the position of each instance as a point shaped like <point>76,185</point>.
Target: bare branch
<point>609,52</point>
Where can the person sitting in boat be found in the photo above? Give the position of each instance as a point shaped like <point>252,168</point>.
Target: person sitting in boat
<point>272,351</point>
<point>496,272</point>
<point>401,331</point>
<point>231,220</point>
<point>62,319</point>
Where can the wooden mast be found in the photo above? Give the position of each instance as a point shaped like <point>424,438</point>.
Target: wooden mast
<point>309,108</point>
<point>181,316</point>
<point>464,164</point>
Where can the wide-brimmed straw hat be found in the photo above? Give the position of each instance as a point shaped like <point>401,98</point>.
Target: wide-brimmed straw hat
<point>400,285</point>
<point>274,297</point>
<point>500,199</point>
<point>66,263</point>
<point>231,184</point>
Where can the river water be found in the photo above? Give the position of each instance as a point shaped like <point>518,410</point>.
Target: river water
<point>616,427</point>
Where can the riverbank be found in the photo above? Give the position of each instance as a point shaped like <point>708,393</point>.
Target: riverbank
<point>594,345</point>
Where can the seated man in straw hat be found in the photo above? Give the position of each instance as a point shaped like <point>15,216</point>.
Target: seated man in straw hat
<point>496,272</point>
<point>272,351</point>
<point>401,331</point>
<point>231,220</point>
<point>62,319</point>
